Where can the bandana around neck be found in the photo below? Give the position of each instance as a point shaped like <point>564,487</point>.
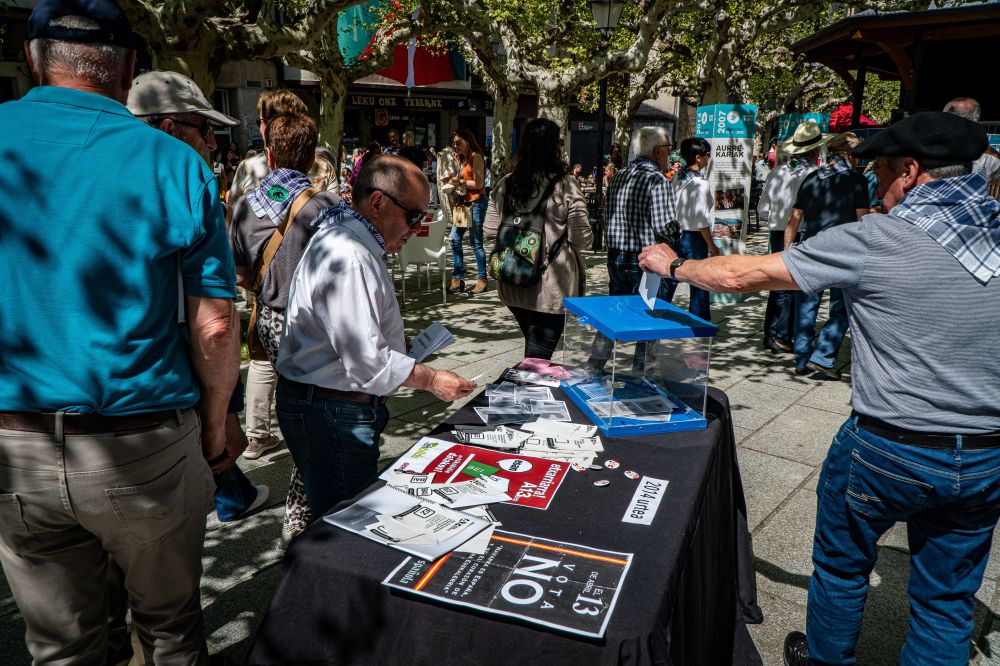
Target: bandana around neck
<point>961,217</point>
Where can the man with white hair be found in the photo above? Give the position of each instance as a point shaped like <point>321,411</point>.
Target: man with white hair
<point>110,408</point>
<point>641,210</point>
<point>989,161</point>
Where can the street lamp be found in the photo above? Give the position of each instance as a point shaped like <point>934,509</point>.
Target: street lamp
<point>606,15</point>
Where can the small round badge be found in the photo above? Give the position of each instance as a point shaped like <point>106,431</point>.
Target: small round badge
<point>278,193</point>
<point>596,468</point>
<point>578,467</point>
<point>602,483</point>
<point>632,475</point>
<point>612,464</point>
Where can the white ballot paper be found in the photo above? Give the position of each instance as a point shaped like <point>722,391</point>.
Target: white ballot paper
<point>500,438</point>
<point>653,408</point>
<point>407,523</point>
<point>648,286</point>
<point>549,428</point>
<point>432,339</point>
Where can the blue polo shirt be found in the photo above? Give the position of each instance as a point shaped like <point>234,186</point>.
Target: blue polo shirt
<point>103,220</point>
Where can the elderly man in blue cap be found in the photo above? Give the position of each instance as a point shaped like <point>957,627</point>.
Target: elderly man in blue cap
<point>923,444</point>
<point>113,417</point>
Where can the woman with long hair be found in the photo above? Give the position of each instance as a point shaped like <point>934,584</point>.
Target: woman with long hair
<point>539,170</point>
<point>473,178</point>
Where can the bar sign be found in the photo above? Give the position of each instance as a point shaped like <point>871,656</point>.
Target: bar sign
<point>646,501</point>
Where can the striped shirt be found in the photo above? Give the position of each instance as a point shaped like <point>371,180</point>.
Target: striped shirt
<point>923,329</point>
<point>641,208</point>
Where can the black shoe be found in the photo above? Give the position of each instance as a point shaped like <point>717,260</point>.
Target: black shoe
<point>803,371</point>
<point>829,373</point>
<point>777,346</point>
<point>796,649</point>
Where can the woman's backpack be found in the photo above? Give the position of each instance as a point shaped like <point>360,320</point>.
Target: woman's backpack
<point>519,257</point>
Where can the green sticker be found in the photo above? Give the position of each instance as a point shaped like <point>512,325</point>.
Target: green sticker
<point>477,469</point>
<point>278,193</point>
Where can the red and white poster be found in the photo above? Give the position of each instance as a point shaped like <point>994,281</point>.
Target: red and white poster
<point>533,481</point>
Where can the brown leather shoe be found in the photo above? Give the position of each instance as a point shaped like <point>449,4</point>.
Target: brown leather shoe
<point>456,286</point>
<point>480,287</point>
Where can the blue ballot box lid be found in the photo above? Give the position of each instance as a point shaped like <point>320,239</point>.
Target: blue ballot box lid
<point>628,319</point>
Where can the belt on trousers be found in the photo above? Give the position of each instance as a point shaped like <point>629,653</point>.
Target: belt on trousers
<point>350,396</point>
<point>926,439</point>
<point>82,424</point>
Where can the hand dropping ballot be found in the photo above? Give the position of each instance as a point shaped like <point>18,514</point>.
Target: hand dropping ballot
<point>431,340</point>
<point>648,288</point>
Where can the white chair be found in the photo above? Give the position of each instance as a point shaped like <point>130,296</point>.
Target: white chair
<point>425,251</point>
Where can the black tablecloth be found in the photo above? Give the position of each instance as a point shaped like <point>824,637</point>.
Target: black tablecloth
<point>686,600</point>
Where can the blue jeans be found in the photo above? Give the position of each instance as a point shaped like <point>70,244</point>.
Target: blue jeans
<point>777,319</point>
<point>233,494</point>
<point>478,214</point>
<point>333,442</point>
<point>693,246</point>
<point>821,349</point>
<point>950,501</point>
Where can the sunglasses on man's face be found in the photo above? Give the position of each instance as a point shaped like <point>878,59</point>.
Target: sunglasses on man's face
<point>204,128</point>
<point>413,217</point>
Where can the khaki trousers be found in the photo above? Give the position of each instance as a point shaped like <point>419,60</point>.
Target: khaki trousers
<point>66,505</point>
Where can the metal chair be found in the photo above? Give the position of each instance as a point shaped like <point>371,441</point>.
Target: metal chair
<point>427,250</point>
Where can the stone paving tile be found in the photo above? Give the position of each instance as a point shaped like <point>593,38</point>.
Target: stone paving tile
<point>830,396</point>
<point>780,617</point>
<point>767,481</point>
<point>783,548</point>
<point>802,434</point>
<point>755,404</point>
<point>741,433</point>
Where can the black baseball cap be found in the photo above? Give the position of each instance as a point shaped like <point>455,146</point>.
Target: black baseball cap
<point>931,135</point>
<point>114,26</point>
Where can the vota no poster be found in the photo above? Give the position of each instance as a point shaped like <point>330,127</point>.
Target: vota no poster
<point>560,585</point>
<point>533,481</point>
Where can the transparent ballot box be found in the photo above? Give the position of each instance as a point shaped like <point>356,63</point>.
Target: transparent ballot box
<point>636,371</point>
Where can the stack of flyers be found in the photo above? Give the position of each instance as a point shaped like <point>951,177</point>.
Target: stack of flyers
<point>479,543</point>
<point>411,524</point>
<point>653,408</point>
<point>549,428</point>
<point>432,339</point>
<point>528,377</point>
<point>501,437</point>
<point>510,403</point>
<point>474,492</point>
<point>579,452</point>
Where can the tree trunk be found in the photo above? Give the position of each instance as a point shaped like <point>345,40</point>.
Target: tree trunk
<point>332,102</point>
<point>554,106</point>
<point>504,110</point>
<point>716,92</point>
<point>196,64</point>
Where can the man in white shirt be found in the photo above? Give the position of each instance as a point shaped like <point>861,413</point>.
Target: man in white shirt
<point>774,207</point>
<point>694,214</point>
<point>343,348</point>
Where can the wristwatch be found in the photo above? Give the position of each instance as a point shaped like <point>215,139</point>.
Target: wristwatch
<point>674,265</point>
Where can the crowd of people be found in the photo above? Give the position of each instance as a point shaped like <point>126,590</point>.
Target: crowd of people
<point>119,452</point>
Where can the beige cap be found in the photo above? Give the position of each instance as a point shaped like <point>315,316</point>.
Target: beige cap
<point>843,143</point>
<point>169,92</point>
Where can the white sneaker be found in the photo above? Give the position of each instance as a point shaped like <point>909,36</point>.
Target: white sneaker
<point>258,446</point>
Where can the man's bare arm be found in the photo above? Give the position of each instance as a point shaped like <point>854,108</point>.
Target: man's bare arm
<point>215,354</point>
<point>734,273</point>
<point>792,228</point>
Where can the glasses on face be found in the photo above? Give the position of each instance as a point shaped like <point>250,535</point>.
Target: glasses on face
<point>204,128</point>
<point>413,217</point>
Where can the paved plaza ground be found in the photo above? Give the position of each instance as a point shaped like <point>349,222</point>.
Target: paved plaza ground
<point>784,425</point>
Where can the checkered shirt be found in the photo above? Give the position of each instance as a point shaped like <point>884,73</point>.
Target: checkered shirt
<point>961,217</point>
<point>263,205</point>
<point>641,208</point>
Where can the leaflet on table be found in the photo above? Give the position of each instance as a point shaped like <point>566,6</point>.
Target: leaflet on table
<point>431,340</point>
<point>499,438</point>
<point>474,492</point>
<point>479,543</point>
<point>408,523</point>
<point>533,481</point>
<point>528,377</point>
<point>549,428</point>
<point>565,586</point>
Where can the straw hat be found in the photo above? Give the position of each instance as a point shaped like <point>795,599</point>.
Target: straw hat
<point>807,136</point>
<point>843,143</point>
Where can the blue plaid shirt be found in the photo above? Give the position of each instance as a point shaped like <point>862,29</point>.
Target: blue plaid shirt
<point>275,193</point>
<point>961,217</point>
<point>641,208</point>
<point>336,214</point>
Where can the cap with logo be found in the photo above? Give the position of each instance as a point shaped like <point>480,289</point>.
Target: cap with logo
<point>170,92</point>
<point>931,135</point>
<point>114,28</point>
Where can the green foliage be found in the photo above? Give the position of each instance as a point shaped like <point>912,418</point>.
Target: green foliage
<point>881,97</point>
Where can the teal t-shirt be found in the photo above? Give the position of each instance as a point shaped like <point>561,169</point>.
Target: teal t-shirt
<point>105,223</point>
